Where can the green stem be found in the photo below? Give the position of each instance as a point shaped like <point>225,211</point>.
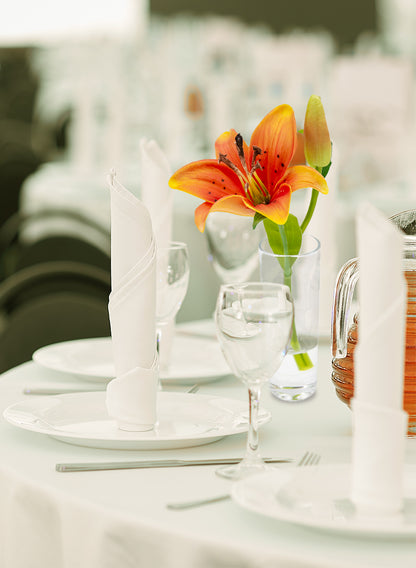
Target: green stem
<point>312,205</point>
<point>287,269</point>
<point>310,211</point>
<point>302,360</point>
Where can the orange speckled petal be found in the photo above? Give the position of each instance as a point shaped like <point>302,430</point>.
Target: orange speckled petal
<point>207,179</point>
<point>301,177</point>
<point>225,144</point>
<point>234,204</point>
<point>276,136</point>
<point>299,155</point>
<point>230,204</point>
<point>278,209</point>
<point>201,214</point>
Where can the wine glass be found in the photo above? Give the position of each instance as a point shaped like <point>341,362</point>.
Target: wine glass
<point>233,245</point>
<point>172,278</point>
<point>254,324</point>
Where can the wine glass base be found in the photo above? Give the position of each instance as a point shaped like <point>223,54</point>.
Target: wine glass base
<point>242,470</point>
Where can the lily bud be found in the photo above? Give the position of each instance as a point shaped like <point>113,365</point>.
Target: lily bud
<point>318,147</point>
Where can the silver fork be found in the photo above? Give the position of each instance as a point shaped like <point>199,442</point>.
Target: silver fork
<point>308,458</point>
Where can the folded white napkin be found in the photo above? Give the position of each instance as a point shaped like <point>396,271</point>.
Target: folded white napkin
<point>155,191</point>
<point>131,396</point>
<point>379,422</point>
<point>158,198</point>
<point>323,226</point>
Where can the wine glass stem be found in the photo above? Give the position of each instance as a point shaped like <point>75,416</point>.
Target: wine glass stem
<point>252,451</point>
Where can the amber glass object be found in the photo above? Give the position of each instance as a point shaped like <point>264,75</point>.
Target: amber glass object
<point>345,333</point>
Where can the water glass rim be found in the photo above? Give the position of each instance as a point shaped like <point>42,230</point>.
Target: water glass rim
<point>174,245</point>
<point>314,250</point>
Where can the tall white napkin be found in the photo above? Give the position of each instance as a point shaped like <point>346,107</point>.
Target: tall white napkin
<point>155,191</point>
<point>323,226</point>
<point>379,422</point>
<point>131,396</point>
<point>158,198</point>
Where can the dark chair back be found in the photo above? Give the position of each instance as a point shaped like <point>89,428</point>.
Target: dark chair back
<point>88,243</point>
<point>51,302</point>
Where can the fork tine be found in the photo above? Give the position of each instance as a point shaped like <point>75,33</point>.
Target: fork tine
<point>309,458</point>
<point>303,459</point>
<point>317,457</point>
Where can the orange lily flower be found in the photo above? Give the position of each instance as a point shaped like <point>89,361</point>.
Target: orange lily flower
<point>246,180</point>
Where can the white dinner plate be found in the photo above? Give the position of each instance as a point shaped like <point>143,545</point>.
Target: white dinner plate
<point>193,360</point>
<point>318,497</point>
<point>184,420</point>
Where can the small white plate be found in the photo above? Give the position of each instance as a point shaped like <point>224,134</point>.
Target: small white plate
<point>184,420</point>
<point>194,359</point>
<point>318,497</point>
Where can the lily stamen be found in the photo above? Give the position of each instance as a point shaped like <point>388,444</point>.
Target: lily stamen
<point>240,150</point>
<point>262,187</point>
<point>223,158</point>
<point>256,165</point>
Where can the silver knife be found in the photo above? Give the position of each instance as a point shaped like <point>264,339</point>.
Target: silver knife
<point>69,390</point>
<point>58,390</point>
<point>68,467</point>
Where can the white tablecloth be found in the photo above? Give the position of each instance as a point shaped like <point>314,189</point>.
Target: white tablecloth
<point>118,519</point>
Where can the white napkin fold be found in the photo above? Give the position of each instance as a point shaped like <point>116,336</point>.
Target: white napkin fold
<point>131,396</point>
<point>155,191</point>
<point>158,198</point>
<point>323,226</point>
<point>379,422</point>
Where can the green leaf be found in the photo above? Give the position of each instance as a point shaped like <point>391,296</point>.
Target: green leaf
<point>293,236</point>
<point>258,218</point>
<point>325,169</point>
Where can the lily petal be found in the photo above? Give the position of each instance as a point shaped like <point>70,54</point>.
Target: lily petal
<point>201,214</point>
<point>301,177</point>
<point>276,136</point>
<point>207,179</point>
<point>230,204</point>
<point>299,155</point>
<point>225,144</point>
<point>278,209</point>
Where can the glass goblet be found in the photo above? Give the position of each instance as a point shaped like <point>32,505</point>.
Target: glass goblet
<point>254,324</point>
<point>172,278</point>
<point>233,245</point>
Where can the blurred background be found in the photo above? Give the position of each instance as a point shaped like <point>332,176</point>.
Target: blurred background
<point>81,83</point>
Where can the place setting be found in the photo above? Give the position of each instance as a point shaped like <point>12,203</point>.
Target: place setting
<point>375,494</point>
<point>135,411</point>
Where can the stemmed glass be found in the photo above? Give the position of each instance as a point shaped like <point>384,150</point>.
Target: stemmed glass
<point>254,324</point>
<point>233,245</point>
<point>172,278</point>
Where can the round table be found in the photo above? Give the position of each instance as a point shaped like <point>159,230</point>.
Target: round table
<point>117,519</point>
